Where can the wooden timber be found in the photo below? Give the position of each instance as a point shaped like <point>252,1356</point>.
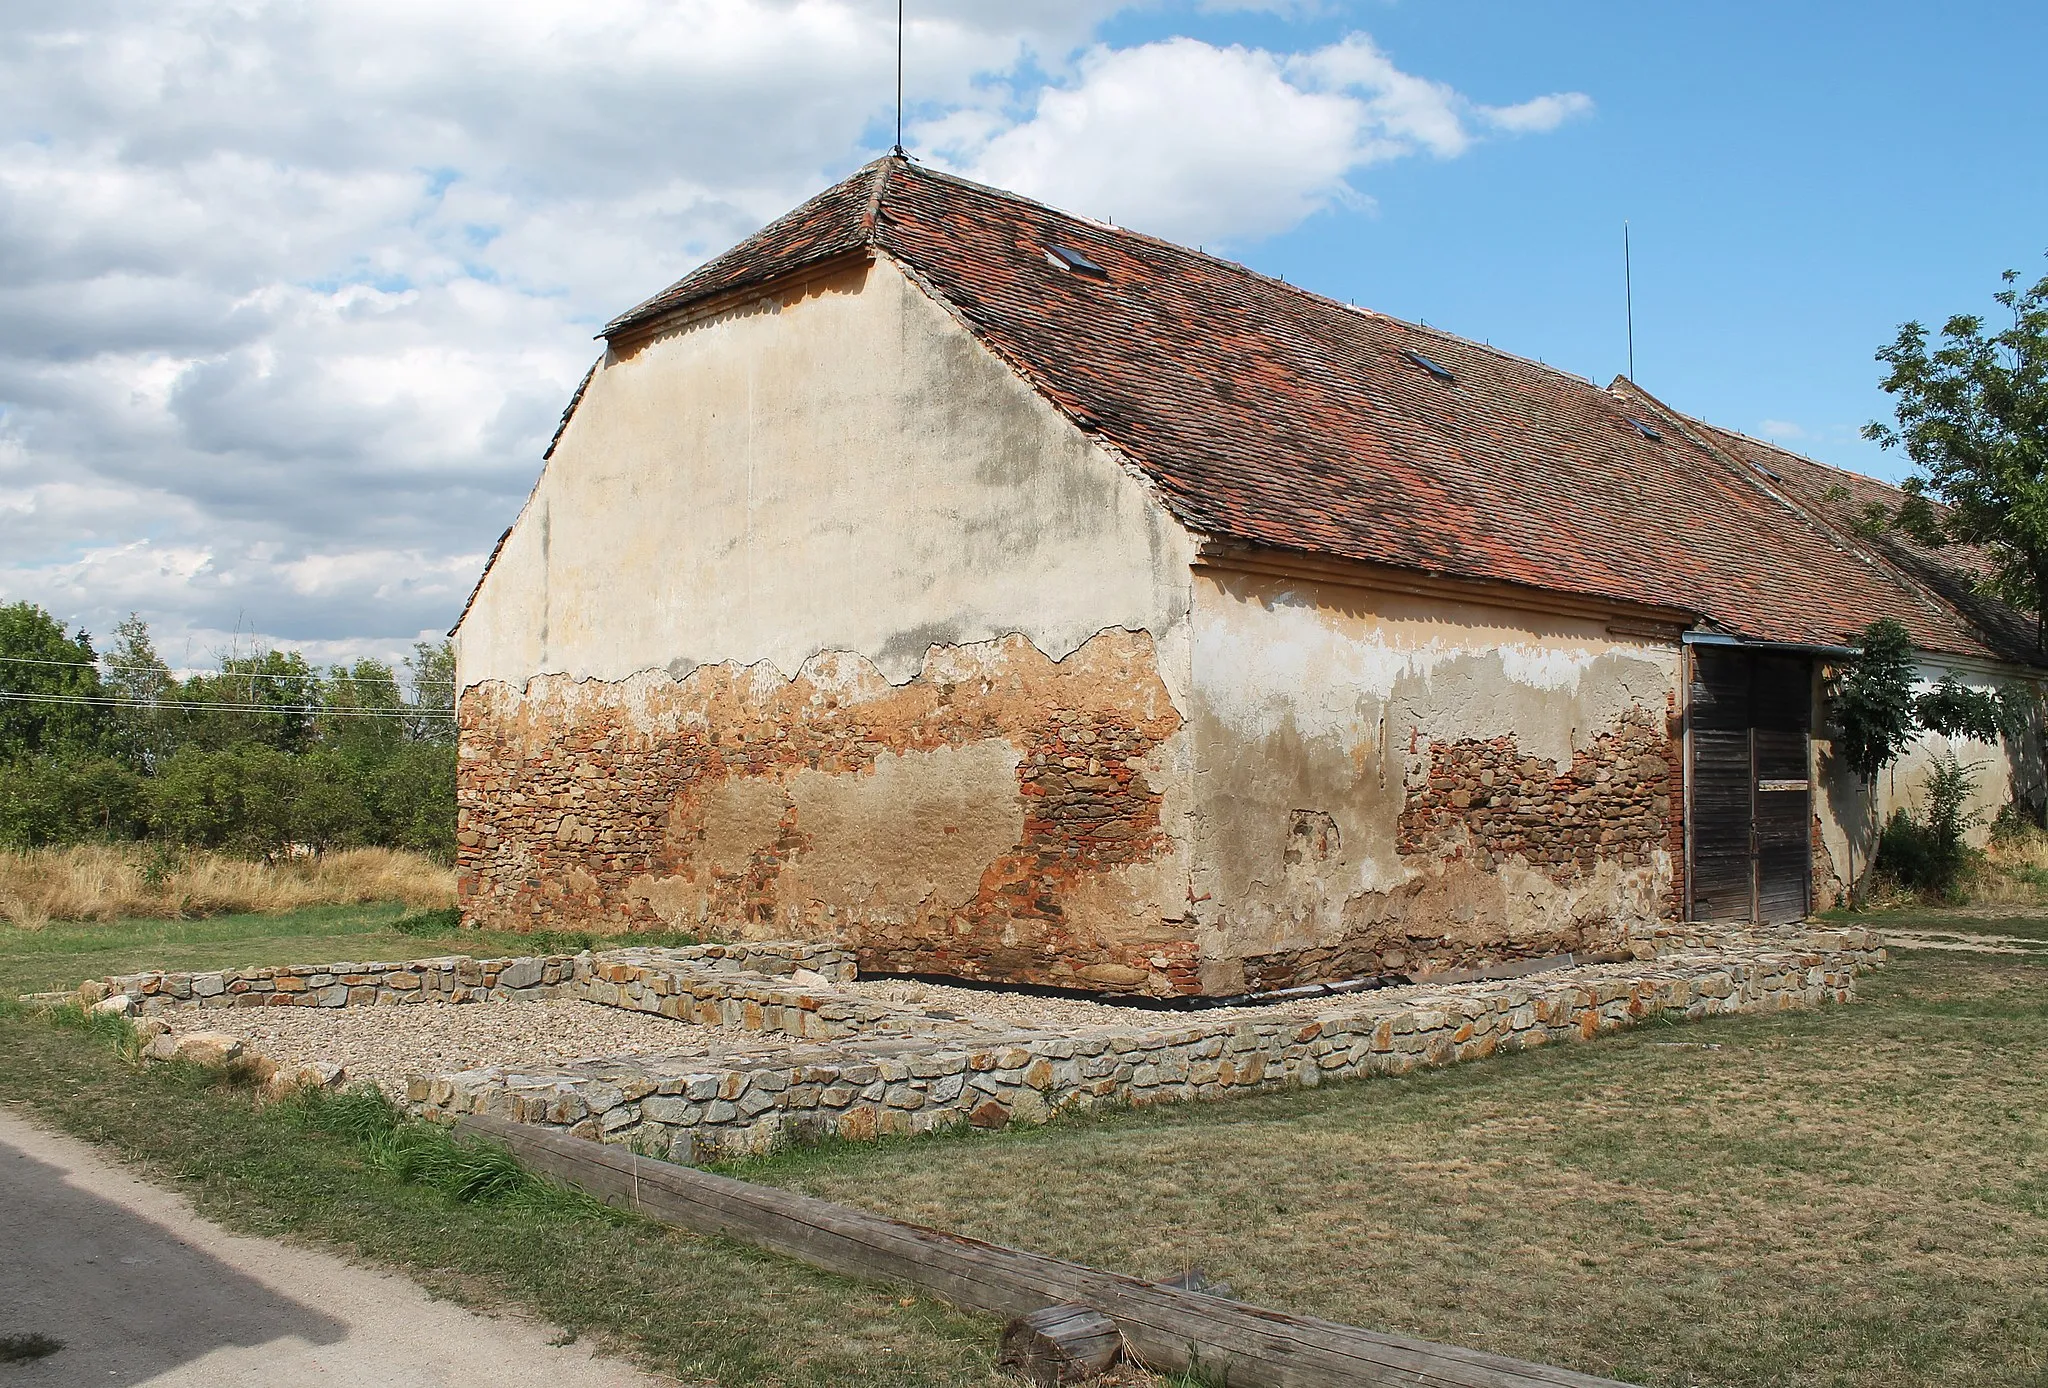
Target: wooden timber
<point>1061,1344</point>
<point>1167,1328</point>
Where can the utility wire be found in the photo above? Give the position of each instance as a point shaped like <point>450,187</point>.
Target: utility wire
<point>222,675</point>
<point>202,706</point>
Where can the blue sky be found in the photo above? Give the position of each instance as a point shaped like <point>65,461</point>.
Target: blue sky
<point>295,294</point>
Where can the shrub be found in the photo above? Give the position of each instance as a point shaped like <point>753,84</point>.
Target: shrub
<point>45,801</point>
<point>1926,851</point>
<point>412,796</point>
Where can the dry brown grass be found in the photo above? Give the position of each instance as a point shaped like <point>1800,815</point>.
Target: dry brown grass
<point>1848,1198</point>
<point>102,882</point>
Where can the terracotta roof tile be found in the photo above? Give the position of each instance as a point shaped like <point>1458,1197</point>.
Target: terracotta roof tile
<point>1274,416</point>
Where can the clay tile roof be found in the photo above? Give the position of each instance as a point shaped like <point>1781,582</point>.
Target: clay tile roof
<point>1273,416</point>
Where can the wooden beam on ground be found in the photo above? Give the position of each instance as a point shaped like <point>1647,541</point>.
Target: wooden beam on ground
<point>1062,1344</point>
<point>1167,1328</point>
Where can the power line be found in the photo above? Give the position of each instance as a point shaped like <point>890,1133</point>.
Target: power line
<point>223,675</point>
<point>202,706</point>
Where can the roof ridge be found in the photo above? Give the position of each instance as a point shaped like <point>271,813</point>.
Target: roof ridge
<point>870,215</point>
<point>1871,555</point>
<point>1182,248</point>
<point>1795,453</point>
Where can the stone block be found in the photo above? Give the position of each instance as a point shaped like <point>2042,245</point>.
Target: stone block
<point>208,1047</point>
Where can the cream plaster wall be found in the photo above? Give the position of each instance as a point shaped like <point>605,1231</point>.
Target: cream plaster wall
<point>833,478</point>
<point>1318,700</point>
<point>840,469</point>
<point>2006,769</point>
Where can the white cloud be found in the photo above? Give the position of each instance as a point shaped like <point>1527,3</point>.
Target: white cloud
<point>291,296</point>
<point>1205,143</point>
<point>1780,429</point>
<point>1538,115</point>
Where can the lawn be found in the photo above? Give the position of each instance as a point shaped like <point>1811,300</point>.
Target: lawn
<point>1854,1196</point>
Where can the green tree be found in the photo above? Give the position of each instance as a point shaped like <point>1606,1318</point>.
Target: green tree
<point>239,799</point>
<point>1954,709</point>
<point>1972,414</point>
<point>365,714</point>
<point>47,800</point>
<point>272,697</point>
<point>413,796</point>
<point>43,669</point>
<point>431,673</point>
<point>330,803</point>
<point>1872,710</point>
<point>141,730</point>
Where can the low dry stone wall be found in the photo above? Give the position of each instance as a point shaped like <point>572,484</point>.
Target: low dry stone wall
<point>755,974</point>
<point>643,981</point>
<point>457,978</point>
<point>858,1068</point>
<point>689,1110</point>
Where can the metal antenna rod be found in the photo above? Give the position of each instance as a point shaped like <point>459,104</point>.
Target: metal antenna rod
<point>899,76</point>
<point>1628,289</point>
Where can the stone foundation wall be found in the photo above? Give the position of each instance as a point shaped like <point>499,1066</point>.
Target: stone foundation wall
<point>881,1086</point>
<point>455,979</point>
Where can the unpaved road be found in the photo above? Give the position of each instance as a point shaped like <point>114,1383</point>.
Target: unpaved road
<point>140,1290</point>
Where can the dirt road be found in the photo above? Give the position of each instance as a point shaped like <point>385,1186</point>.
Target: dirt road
<point>138,1289</point>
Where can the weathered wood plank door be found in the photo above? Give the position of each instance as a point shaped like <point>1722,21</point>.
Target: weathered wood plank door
<point>1750,797</point>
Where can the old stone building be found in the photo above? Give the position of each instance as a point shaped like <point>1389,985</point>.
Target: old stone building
<point>1012,596</point>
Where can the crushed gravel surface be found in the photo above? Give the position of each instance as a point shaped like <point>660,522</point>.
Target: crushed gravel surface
<point>389,1045</point>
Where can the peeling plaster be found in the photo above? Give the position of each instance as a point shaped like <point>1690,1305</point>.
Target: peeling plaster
<point>1320,706</point>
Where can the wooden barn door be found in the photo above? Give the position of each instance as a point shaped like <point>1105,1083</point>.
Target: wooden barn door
<point>1750,798</point>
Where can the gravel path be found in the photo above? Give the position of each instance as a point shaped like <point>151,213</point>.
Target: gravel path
<point>391,1044</point>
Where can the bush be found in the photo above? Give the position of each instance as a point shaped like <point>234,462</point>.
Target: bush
<point>1926,851</point>
<point>45,801</point>
<point>239,799</point>
<point>412,796</point>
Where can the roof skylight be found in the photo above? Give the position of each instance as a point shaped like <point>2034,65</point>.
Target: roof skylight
<point>1071,259</point>
<point>1441,373</point>
<point>1646,431</point>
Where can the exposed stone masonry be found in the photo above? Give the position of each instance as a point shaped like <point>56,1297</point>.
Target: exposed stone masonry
<point>614,806</point>
<point>1476,807</point>
<point>1487,801</point>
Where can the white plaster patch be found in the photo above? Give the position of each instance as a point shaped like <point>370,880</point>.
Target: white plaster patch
<point>1258,665</point>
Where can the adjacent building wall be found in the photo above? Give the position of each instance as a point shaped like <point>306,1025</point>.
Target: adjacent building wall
<point>1847,814</point>
<point>822,623</point>
<point>1389,783</point>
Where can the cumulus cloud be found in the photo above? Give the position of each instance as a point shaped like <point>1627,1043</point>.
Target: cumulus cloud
<point>1205,143</point>
<point>291,296</point>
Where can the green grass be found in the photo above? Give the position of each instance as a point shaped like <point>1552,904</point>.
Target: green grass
<point>468,1223</point>
<point>64,954</point>
<point>2017,920</point>
<point>1852,1196</point>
